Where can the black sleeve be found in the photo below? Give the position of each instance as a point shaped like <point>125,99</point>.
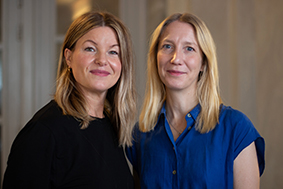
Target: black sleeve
<point>30,160</point>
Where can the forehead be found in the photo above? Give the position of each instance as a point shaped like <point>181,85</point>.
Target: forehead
<point>179,31</point>
<point>100,33</point>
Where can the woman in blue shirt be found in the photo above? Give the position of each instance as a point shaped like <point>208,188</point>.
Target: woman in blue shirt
<point>186,137</point>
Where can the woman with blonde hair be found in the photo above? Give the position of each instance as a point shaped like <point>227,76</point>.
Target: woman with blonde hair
<point>184,130</point>
<point>77,139</point>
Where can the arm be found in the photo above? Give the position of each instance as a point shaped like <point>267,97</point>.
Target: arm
<point>246,171</point>
<point>29,163</point>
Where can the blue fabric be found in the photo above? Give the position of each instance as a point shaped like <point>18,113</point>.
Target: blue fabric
<point>194,160</point>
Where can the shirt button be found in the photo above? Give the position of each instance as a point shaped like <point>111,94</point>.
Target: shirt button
<point>173,148</point>
<point>174,172</point>
<point>189,115</point>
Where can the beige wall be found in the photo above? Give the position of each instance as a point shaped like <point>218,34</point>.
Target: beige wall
<point>269,89</point>
<point>249,40</point>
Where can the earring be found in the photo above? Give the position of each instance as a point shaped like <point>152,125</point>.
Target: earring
<point>69,69</point>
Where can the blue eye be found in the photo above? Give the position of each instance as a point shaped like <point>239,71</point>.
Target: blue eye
<point>166,46</point>
<point>189,49</point>
<point>113,52</point>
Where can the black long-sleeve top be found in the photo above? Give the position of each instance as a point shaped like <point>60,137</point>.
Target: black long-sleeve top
<point>51,151</point>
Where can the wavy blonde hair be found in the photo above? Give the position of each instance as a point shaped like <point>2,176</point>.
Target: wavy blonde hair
<point>208,84</point>
<point>120,103</point>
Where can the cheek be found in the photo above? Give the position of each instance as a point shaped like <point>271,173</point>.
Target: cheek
<point>117,67</point>
<point>161,72</point>
<point>159,59</point>
<point>160,62</point>
<point>158,66</point>
<point>119,70</point>
<point>195,63</point>
<point>80,62</point>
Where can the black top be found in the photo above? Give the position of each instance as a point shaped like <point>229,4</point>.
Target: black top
<point>51,151</point>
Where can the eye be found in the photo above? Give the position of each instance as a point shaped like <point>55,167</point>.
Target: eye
<point>190,49</point>
<point>167,46</point>
<point>91,49</point>
<point>113,52</point>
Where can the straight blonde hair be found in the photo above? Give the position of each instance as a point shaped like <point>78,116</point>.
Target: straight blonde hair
<point>120,103</point>
<point>208,84</point>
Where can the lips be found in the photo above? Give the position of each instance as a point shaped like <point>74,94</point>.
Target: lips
<point>101,73</point>
<point>175,72</point>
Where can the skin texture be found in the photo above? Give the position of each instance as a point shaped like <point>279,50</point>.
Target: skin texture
<point>246,171</point>
<point>179,58</point>
<point>96,65</point>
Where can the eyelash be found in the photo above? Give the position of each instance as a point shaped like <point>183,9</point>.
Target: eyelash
<point>89,49</point>
<point>190,48</point>
<point>167,46</point>
<point>93,50</point>
<point>114,52</point>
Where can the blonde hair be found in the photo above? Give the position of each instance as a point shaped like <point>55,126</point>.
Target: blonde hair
<point>120,103</point>
<point>208,84</point>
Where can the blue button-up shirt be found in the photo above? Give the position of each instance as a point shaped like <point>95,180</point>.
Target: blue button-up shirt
<point>194,160</point>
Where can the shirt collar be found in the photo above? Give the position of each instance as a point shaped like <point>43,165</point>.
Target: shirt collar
<point>193,113</point>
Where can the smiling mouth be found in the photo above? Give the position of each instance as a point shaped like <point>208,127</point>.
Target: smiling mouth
<point>101,73</point>
<point>175,73</point>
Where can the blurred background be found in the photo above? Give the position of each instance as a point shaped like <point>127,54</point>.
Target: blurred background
<point>248,36</point>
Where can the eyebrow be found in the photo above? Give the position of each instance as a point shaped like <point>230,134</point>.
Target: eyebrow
<point>91,41</point>
<point>186,42</point>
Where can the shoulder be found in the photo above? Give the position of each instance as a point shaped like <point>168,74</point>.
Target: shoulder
<point>49,120</point>
<point>51,116</point>
<point>237,127</point>
<point>228,111</point>
<point>47,124</point>
<point>233,117</point>
<point>242,133</point>
<point>50,110</point>
<point>236,124</point>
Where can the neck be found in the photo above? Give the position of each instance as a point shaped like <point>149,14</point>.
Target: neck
<point>178,104</point>
<point>95,105</point>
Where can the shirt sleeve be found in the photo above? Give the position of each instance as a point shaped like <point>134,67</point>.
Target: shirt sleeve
<point>30,160</point>
<point>244,134</point>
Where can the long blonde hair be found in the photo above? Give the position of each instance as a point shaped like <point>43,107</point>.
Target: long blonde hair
<point>120,102</point>
<point>208,84</point>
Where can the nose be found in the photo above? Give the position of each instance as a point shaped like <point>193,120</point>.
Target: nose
<point>177,57</point>
<point>101,59</point>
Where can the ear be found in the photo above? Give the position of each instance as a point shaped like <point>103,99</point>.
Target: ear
<point>68,56</point>
<point>202,67</point>
<point>203,64</point>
